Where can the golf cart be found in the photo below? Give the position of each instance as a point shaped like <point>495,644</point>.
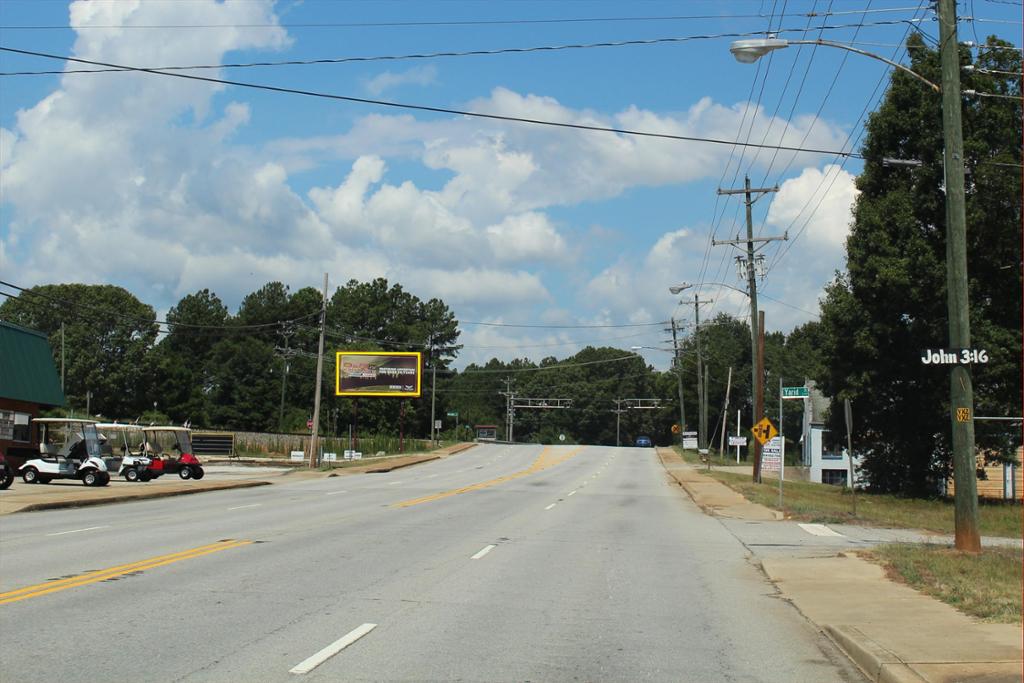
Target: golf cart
<point>171,447</point>
<point>122,446</point>
<point>69,448</point>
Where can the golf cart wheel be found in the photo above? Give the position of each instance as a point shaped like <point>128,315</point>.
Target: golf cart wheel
<point>185,472</point>
<point>91,478</point>
<point>144,475</point>
<point>198,473</point>
<point>30,475</point>
<point>6,479</point>
<point>104,479</point>
<point>131,474</point>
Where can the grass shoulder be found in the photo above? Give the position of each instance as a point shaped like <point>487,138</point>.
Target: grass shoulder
<point>985,585</point>
<point>831,504</point>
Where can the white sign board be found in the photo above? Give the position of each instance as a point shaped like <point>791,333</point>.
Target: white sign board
<point>771,455</point>
<point>298,455</point>
<point>353,455</point>
<point>330,457</point>
<point>737,441</point>
<point>689,439</point>
<point>438,424</point>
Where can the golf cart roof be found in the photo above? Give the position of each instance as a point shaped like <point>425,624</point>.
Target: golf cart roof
<point>166,428</point>
<point>119,426</point>
<point>63,420</point>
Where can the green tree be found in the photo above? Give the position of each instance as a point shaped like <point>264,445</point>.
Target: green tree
<point>108,334</point>
<point>891,301</point>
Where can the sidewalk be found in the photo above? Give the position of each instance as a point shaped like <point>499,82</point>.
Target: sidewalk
<point>892,632</point>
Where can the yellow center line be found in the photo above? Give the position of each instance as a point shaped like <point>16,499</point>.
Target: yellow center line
<point>112,572</point>
<point>547,458</point>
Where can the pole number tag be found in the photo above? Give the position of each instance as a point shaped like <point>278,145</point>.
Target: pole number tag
<point>963,414</point>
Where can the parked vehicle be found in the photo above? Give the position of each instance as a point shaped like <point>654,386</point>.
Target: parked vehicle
<point>69,448</point>
<point>172,447</point>
<point>6,473</point>
<point>122,446</point>
<point>643,442</point>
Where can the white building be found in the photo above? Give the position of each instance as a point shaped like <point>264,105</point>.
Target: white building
<point>824,466</point>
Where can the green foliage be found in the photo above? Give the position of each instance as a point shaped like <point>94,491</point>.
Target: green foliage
<point>108,334</point>
<point>891,302</point>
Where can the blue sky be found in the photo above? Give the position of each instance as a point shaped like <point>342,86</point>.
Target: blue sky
<point>167,186</point>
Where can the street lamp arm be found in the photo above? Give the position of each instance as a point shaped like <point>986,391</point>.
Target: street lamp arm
<point>891,63</point>
<point>749,51</point>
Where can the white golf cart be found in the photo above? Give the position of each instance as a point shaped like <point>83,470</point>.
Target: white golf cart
<point>69,448</point>
<point>122,446</point>
<point>170,448</point>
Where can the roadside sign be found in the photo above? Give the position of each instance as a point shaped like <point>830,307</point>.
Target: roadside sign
<point>453,414</point>
<point>764,430</point>
<point>689,440</point>
<point>795,392</point>
<point>676,429</point>
<point>438,424</point>
<point>771,455</point>
<point>561,437</point>
<point>737,441</point>
<point>297,455</point>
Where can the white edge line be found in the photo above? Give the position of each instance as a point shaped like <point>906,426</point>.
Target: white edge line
<point>396,482</point>
<point>571,493</point>
<point>240,507</point>
<point>550,506</point>
<point>334,493</point>
<point>75,531</point>
<point>483,552</point>
<point>334,648</point>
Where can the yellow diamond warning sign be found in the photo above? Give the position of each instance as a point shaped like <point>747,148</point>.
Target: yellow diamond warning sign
<point>764,431</point>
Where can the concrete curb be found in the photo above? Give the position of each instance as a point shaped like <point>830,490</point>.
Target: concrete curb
<point>878,664</point>
<point>381,470</point>
<point>458,448</point>
<point>86,502</point>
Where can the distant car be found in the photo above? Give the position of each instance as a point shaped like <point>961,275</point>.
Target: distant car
<point>644,442</point>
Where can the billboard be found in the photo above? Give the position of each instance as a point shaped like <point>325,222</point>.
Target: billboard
<point>377,373</point>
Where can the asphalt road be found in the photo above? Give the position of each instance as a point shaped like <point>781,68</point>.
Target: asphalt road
<point>504,563</point>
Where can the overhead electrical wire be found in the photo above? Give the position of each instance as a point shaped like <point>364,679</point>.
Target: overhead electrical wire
<point>405,24</point>
<point>401,105</point>
<point>424,55</point>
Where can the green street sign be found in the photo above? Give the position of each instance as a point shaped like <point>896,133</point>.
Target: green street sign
<point>795,392</point>
<point>453,414</point>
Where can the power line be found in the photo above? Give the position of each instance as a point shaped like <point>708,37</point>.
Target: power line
<point>404,24</point>
<point>424,55</point>
<point>417,107</point>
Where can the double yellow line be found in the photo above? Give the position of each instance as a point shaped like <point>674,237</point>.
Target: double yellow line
<point>114,572</point>
<point>547,458</point>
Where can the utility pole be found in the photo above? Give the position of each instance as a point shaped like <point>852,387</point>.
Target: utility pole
<point>313,445</point>
<point>509,414</point>
<point>62,356</point>
<point>961,392</point>
<point>286,331</point>
<point>759,387</point>
<point>433,394</point>
<point>702,413</point>
<point>618,410</point>
<point>679,380</point>
<point>751,266</point>
<point>725,415</point>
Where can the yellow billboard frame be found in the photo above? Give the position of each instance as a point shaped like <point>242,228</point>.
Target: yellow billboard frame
<point>356,394</point>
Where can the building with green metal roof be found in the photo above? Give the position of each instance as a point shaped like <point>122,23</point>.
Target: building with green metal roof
<point>29,383</point>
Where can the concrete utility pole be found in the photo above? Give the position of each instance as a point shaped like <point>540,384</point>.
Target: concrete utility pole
<point>509,415</point>
<point>313,445</point>
<point>618,410</point>
<point>750,265</point>
<point>679,380</point>
<point>961,392</point>
<point>702,398</point>
<point>62,356</point>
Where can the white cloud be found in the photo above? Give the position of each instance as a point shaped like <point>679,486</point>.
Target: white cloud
<point>418,75</point>
<point>820,199</point>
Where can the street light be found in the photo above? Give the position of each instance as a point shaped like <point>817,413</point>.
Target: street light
<point>675,289</point>
<point>961,391</point>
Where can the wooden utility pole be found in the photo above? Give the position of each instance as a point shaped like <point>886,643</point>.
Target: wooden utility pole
<point>751,266</point>
<point>961,392</point>
<point>679,381</point>
<point>314,451</point>
<point>759,392</point>
<point>725,414</point>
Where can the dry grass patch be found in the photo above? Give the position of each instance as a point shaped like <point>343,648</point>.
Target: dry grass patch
<point>832,504</point>
<point>986,585</point>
